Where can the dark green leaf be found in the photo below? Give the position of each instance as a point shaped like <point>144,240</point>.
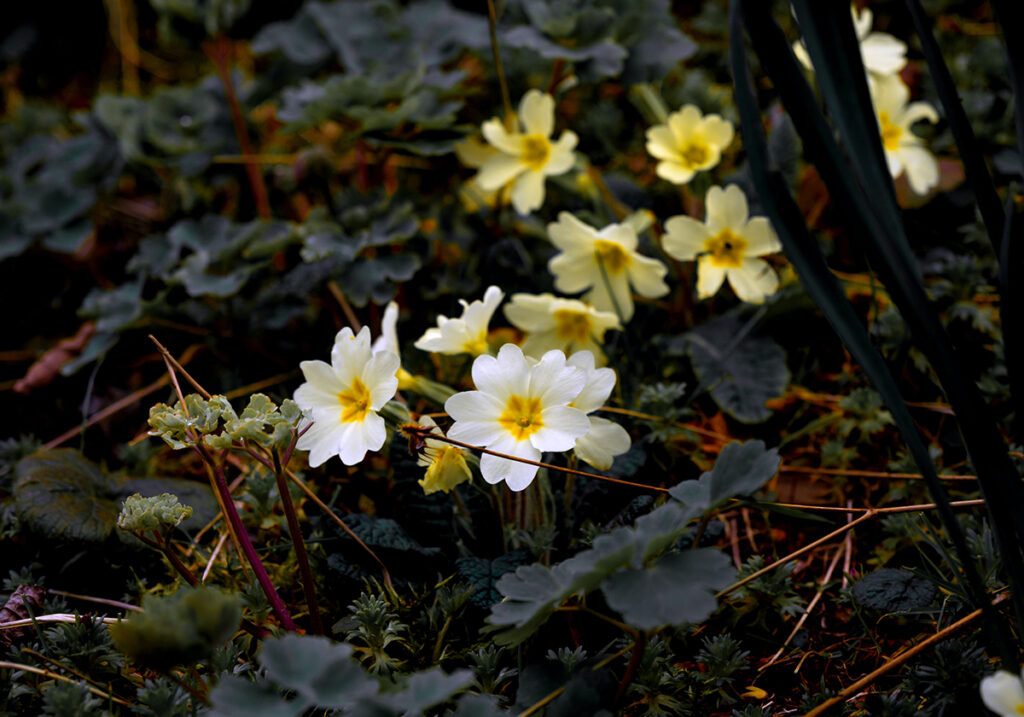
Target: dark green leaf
<point>60,494</point>
<point>322,672</point>
<point>752,372</point>
<point>679,588</point>
<point>892,590</point>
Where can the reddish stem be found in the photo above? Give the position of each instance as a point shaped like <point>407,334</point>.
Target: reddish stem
<point>219,52</point>
<point>308,586</point>
<point>245,543</point>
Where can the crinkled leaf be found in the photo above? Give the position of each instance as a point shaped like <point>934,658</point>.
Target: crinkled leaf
<point>197,495</point>
<point>60,494</point>
<point>143,515</point>
<point>743,376</point>
<point>679,588</point>
<point>483,574</point>
<point>894,590</point>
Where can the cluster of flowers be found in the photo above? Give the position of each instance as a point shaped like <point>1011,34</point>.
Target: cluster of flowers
<point>537,397</point>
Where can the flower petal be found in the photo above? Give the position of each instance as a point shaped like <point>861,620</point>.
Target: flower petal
<point>517,475</point>
<point>674,172</point>
<point>661,143</point>
<point>602,443</point>
<point>921,167</point>
<point>1003,693</point>
<point>537,112</point>
<point>528,192</point>
<point>684,238</point>
<point>761,238</point>
<point>499,171</point>
<point>494,132</point>
<point>754,281</point>
<point>709,278</point>
<point>562,426</point>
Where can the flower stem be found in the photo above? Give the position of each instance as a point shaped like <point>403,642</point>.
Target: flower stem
<point>506,99</point>
<point>228,505</point>
<point>308,586</point>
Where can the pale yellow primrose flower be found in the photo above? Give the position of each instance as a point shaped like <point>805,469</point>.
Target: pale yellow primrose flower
<point>520,410</point>
<point>904,151</point>
<point>526,158</point>
<point>605,439</point>
<point>446,464</point>
<point>688,143</point>
<point>881,53</point>
<point>603,260</point>
<point>467,334</point>
<point>555,323</point>
<point>1003,693</point>
<point>388,341</point>
<point>725,246</point>
<point>343,398</point>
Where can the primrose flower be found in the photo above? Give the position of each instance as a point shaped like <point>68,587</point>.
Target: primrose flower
<point>467,334</point>
<point>445,463</point>
<point>518,409</point>
<point>1003,693</point>
<point>881,53</point>
<point>555,323</point>
<point>725,246</point>
<point>606,262</point>
<point>343,398</point>
<point>525,159</point>
<point>605,439</point>
<point>688,143</point>
<point>904,151</point>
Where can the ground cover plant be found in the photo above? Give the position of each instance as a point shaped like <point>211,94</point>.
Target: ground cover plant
<point>565,358</point>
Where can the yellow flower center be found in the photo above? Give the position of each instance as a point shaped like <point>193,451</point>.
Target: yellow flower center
<point>522,417</point>
<point>612,256</point>
<point>694,156</point>
<point>476,346</point>
<point>726,249</point>
<point>572,325</point>
<point>1020,709</point>
<point>890,135</point>
<point>536,151</point>
<point>355,402</point>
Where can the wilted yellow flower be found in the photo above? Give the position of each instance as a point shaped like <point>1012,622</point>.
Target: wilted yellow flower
<point>688,143</point>
<point>445,463</point>
<point>725,246</point>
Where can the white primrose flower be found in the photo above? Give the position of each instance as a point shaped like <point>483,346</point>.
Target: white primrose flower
<point>1003,693</point>
<point>552,323</point>
<point>343,398</point>
<point>605,439</point>
<point>525,159</point>
<point>467,334</point>
<point>606,262</point>
<point>904,151</point>
<point>518,409</point>
<point>881,53</point>
<point>725,246</point>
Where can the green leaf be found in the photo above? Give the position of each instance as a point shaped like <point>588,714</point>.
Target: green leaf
<point>743,375</point>
<point>236,695</point>
<point>416,693</point>
<point>180,629</point>
<point>892,590</point>
<point>60,494</point>
<point>320,671</point>
<point>679,588</point>
<point>484,574</point>
<point>741,469</point>
<point>198,496</point>
<point>144,515</point>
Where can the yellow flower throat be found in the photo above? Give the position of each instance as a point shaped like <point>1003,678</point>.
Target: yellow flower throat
<point>536,151</point>
<point>572,325</point>
<point>522,417</point>
<point>890,135</point>
<point>726,249</point>
<point>612,256</point>
<point>355,402</point>
<point>694,156</point>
